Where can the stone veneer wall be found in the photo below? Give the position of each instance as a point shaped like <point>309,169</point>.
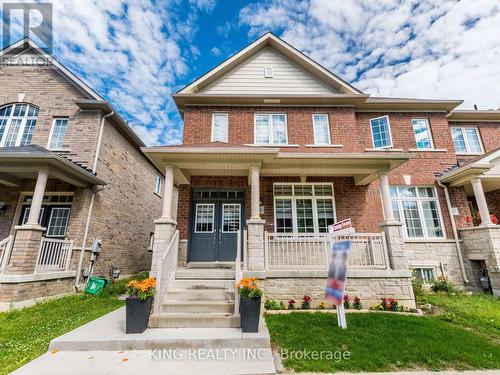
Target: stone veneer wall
<point>15,292</point>
<point>371,286</point>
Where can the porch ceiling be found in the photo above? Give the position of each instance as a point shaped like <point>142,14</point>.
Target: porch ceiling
<point>236,161</point>
<point>18,163</point>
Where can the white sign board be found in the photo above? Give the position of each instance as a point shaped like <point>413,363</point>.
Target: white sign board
<point>342,228</point>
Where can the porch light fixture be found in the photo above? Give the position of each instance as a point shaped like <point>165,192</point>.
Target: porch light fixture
<point>115,272</point>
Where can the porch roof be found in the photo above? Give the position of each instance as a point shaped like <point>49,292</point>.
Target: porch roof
<point>220,159</point>
<point>485,167</point>
<point>24,162</point>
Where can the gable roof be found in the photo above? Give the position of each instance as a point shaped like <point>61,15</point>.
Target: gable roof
<point>271,40</point>
<point>22,48</point>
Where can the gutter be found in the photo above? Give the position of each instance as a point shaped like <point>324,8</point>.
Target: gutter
<point>455,232</point>
<point>91,205</point>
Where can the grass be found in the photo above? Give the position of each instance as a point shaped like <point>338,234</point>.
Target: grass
<point>381,342</point>
<point>26,333</point>
<point>479,313</point>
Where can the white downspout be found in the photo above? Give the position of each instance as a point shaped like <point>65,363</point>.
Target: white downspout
<point>91,205</point>
<point>455,232</point>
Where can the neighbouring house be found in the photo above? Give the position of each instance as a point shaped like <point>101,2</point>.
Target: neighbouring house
<point>77,195</point>
<point>276,148</point>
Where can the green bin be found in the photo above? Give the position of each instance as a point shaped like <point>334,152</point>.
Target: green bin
<point>95,285</point>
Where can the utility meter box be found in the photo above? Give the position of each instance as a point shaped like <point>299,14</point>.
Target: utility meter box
<point>96,246</point>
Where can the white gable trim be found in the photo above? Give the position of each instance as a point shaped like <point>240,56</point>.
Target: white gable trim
<point>271,40</point>
<point>65,72</point>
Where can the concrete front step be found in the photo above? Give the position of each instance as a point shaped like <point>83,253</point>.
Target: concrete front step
<point>198,307</point>
<point>202,284</point>
<point>199,295</point>
<point>205,273</point>
<point>194,321</point>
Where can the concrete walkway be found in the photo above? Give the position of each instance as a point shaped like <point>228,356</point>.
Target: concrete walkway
<point>102,347</point>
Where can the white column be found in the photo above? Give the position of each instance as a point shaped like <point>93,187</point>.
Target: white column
<point>168,192</point>
<point>254,181</point>
<point>386,195</point>
<point>481,201</point>
<point>36,202</point>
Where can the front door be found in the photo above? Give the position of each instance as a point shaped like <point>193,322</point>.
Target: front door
<point>216,219</point>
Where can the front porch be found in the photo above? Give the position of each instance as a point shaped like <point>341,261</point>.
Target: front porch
<point>44,202</point>
<point>288,201</point>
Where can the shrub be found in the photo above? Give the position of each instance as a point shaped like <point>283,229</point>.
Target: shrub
<point>347,301</point>
<point>442,284</point>
<point>249,287</point>
<point>419,291</point>
<point>449,317</point>
<point>282,305</point>
<point>271,304</point>
<point>291,304</point>
<point>357,303</point>
<point>306,302</point>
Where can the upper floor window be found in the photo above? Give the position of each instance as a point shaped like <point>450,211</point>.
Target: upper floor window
<point>321,129</point>
<point>17,122</point>
<point>158,184</point>
<point>58,133</point>
<point>418,209</point>
<point>381,132</point>
<point>466,140</point>
<point>219,127</point>
<point>422,133</point>
<point>270,129</point>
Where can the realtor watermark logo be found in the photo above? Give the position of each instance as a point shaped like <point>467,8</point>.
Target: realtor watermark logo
<point>26,20</point>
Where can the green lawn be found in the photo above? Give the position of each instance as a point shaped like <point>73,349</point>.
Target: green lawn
<point>25,334</point>
<point>381,342</point>
<point>480,313</point>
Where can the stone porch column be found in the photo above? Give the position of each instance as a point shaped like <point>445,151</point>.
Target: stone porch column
<point>166,225</point>
<point>27,238</point>
<point>392,228</point>
<point>481,201</point>
<point>255,226</point>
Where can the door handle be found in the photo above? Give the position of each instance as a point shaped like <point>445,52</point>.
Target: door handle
<point>220,236</point>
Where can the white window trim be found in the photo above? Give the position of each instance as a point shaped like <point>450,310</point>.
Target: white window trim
<point>213,122</point>
<point>159,186</point>
<point>466,140</point>
<point>196,217</point>
<point>22,127</point>
<point>390,133</point>
<point>313,197</point>
<point>222,217</point>
<point>428,131</point>
<point>51,133</point>
<point>68,209</point>
<point>418,199</point>
<point>270,129</point>
<point>327,127</point>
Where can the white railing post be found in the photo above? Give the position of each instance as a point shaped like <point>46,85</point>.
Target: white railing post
<point>6,249</point>
<point>165,271</point>
<point>238,274</point>
<point>54,255</point>
<point>266,250</point>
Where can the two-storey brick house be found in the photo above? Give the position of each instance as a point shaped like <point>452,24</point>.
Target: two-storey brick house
<point>276,148</point>
<point>72,175</point>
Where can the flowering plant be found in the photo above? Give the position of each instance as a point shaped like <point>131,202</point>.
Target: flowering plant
<point>347,301</point>
<point>357,303</point>
<point>322,305</point>
<point>475,219</point>
<point>306,302</point>
<point>390,304</point>
<point>249,287</point>
<point>291,304</point>
<point>142,289</point>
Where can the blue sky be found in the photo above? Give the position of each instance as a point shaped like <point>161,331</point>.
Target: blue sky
<point>136,53</point>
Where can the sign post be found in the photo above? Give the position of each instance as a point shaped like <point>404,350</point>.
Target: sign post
<point>337,270</point>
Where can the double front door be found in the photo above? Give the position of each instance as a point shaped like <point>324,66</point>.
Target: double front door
<point>216,219</point>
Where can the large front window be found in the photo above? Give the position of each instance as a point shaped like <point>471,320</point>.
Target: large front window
<point>303,208</point>
<point>270,129</point>
<point>466,140</point>
<point>418,209</point>
<point>17,123</point>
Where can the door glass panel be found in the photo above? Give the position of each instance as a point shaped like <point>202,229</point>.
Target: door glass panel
<point>231,214</point>
<point>58,222</point>
<point>305,221</point>
<point>204,222</point>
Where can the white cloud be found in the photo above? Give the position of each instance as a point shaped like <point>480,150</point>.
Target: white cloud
<point>429,49</point>
<point>215,51</point>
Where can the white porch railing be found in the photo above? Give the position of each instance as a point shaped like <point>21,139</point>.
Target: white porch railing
<point>165,271</point>
<point>54,255</point>
<point>238,274</point>
<point>311,251</point>
<point>5,250</point>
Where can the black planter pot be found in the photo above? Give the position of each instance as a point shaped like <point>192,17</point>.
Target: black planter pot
<point>137,314</point>
<point>250,314</point>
